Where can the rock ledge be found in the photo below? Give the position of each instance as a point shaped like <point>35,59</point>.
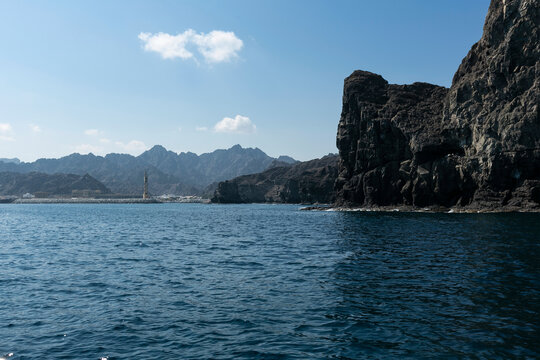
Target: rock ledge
<point>474,147</point>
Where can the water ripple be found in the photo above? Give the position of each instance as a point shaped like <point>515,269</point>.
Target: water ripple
<point>189,281</point>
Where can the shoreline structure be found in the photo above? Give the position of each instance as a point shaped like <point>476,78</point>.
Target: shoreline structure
<point>59,200</point>
<point>304,207</point>
<point>86,201</point>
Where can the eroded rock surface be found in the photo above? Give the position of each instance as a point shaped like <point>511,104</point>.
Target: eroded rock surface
<point>475,145</point>
<point>304,182</point>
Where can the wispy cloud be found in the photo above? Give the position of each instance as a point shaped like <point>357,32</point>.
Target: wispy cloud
<point>239,125</point>
<point>35,128</point>
<point>6,132</point>
<point>201,128</point>
<point>92,132</point>
<point>5,128</point>
<point>102,146</point>
<point>132,146</point>
<point>88,148</point>
<point>216,46</point>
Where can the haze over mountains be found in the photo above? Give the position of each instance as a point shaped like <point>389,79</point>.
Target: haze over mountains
<point>18,184</point>
<point>168,172</point>
<point>14,160</point>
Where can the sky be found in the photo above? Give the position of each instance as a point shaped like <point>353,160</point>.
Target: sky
<point>122,76</point>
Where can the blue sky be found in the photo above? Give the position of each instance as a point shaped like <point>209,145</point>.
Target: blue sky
<point>80,76</point>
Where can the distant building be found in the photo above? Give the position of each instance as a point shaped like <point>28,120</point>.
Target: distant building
<point>28,196</point>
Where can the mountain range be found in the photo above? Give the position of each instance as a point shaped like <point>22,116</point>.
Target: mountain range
<point>12,183</point>
<point>14,160</point>
<point>168,172</point>
<point>472,147</point>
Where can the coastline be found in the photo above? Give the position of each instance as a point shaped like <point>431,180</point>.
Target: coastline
<point>434,209</point>
<point>86,201</point>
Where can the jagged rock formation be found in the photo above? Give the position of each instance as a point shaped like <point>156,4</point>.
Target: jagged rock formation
<point>475,145</point>
<point>168,172</point>
<point>204,169</point>
<point>57,184</point>
<point>304,182</point>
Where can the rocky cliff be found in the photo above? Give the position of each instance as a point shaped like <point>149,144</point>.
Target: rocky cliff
<point>305,182</point>
<point>473,146</point>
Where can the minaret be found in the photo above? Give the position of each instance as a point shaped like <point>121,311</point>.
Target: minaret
<point>145,192</point>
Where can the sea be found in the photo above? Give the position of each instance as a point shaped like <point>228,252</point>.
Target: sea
<point>197,281</point>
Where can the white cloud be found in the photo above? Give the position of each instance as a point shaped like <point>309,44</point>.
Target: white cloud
<point>168,46</point>
<point>179,129</point>
<point>132,146</point>
<point>6,132</point>
<point>92,132</point>
<point>5,128</point>
<point>103,146</point>
<point>240,125</point>
<point>216,46</point>
<point>87,148</point>
<point>35,128</point>
<point>201,128</point>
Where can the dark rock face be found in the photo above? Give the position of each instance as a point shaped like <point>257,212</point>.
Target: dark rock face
<point>475,145</point>
<point>305,182</point>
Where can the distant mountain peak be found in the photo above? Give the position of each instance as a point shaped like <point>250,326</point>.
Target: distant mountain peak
<point>287,159</point>
<point>12,161</point>
<point>157,149</point>
<point>171,172</point>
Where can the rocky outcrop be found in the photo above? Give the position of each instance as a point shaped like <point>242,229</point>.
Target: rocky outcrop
<point>306,182</point>
<point>473,146</point>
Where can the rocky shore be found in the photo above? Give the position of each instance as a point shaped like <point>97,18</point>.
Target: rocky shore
<point>473,147</point>
<point>416,209</point>
<point>305,182</point>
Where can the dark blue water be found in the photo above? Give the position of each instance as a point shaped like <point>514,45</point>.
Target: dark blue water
<point>190,281</point>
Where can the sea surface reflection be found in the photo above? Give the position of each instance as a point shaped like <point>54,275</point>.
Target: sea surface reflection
<point>195,281</point>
